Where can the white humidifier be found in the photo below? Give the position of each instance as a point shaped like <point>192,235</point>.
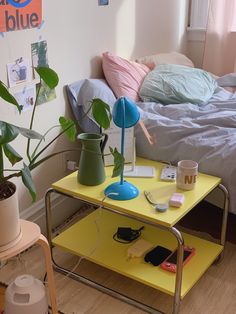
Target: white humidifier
<point>26,295</point>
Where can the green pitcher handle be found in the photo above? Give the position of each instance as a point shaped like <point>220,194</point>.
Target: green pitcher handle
<point>103,143</point>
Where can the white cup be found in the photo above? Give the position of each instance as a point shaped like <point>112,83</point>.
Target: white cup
<point>187,171</point>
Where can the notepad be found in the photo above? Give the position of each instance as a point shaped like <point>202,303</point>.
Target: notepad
<point>139,171</point>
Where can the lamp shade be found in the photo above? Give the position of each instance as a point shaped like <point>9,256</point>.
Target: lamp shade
<point>125,113</point>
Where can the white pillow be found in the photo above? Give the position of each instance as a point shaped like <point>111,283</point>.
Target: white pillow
<point>166,58</point>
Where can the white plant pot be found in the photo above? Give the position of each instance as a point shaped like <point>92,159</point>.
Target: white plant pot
<point>10,231</point>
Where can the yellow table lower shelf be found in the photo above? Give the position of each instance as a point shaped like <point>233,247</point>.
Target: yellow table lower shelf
<point>96,231</point>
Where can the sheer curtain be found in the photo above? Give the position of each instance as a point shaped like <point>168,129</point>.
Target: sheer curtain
<point>220,45</point>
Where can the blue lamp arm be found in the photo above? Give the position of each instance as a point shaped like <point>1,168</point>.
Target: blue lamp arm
<point>122,137</point>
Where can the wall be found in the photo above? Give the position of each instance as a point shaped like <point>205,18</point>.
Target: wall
<point>77,33</point>
<point>195,46</point>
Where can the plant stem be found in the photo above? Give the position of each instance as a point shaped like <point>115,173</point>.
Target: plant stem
<point>53,140</point>
<point>32,166</point>
<point>86,113</point>
<point>32,120</point>
<point>1,162</point>
<point>11,170</point>
<point>36,148</point>
<point>14,175</point>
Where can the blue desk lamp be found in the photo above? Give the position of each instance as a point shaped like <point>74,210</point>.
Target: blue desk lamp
<point>125,115</point>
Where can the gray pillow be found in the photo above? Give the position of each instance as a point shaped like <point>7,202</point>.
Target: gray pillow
<point>173,84</point>
<point>80,93</point>
<point>94,88</point>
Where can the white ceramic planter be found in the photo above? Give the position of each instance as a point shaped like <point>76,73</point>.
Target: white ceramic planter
<point>10,231</point>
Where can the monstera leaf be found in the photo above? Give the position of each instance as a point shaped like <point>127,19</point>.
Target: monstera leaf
<point>4,94</point>
<point>11,154</point>
<point>101,113</point>
<point>118,162</point>
<point>28,181</point>
<point>48,75</point>
<point>69,127</point>
<point>8,132</point>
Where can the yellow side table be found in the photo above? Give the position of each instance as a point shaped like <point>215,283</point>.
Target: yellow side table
<point>31,234</point>
<point>160,229</point>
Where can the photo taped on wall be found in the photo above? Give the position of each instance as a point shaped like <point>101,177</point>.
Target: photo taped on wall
<point>103,2</point>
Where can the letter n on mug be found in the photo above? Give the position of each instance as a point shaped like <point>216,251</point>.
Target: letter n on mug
<point>187,171</point>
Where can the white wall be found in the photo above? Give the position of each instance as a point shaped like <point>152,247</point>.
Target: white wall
<point>77,33</point>
<point>195,51</point>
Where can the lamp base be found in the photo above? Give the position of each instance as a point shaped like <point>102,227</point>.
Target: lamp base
<point>121,192</point>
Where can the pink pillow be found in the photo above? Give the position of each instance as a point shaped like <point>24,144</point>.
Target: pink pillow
<point>124,77</point>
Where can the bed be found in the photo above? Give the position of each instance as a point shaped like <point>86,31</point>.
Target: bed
<point>204,132</point>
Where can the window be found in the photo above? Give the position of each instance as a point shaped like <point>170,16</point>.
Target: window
<point>198,14</point>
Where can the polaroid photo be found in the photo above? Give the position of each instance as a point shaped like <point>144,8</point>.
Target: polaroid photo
<point>18,72</point>
<point>26,98</point>
<point>39,52</point>
<point>103,2</point>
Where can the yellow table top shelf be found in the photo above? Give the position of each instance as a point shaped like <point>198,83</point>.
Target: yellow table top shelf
<point>92,237</point>
<point>139,207</point>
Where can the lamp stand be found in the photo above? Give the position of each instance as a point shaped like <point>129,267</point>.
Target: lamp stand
<point>122,190</point>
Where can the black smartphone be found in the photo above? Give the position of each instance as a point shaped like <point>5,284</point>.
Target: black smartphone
<point>157,255</point>
<point>171,261</point>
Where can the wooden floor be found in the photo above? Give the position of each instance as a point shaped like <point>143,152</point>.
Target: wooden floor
<point>215,293</point>
<point>2,290</point>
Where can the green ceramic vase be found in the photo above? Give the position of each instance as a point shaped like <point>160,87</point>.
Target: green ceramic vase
<point>91,165</point>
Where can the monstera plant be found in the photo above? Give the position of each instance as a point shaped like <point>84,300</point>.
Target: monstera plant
<point>9,216</point>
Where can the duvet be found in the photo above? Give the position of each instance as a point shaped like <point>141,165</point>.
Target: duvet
<point>205,133</point>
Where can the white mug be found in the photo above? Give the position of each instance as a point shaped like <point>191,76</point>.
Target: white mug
<point>187,171</point>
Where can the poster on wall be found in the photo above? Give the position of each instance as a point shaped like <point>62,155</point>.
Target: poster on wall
<point>18,72</point>
<point>20,14</point>
<point>39,52</point>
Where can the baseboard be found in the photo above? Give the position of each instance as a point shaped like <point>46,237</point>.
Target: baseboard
<point>37,210</point>
<point>62,207</point>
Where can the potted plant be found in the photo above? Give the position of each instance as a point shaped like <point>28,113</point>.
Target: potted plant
<point>9,214</point>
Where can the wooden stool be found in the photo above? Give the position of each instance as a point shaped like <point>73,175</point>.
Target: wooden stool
<point>31,234</point>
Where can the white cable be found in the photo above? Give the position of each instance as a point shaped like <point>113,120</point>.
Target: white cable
<point>98,238</point>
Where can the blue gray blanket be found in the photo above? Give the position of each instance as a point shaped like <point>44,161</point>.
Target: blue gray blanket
<point>205,133</point>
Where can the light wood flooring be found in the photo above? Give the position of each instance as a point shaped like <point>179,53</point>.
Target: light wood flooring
<point>215,293</point>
